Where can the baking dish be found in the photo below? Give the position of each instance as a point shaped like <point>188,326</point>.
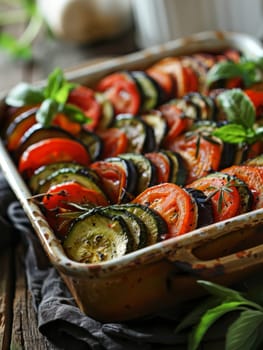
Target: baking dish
<point>164,274</point>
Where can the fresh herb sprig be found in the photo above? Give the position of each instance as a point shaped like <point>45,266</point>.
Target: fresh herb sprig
<point>52,99</point>
<point>244,333</point>
<point>241,116</point>
<point>248,70</point>
<point>17,12</point>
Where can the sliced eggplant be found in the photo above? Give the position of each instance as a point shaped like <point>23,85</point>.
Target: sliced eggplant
<point>37,133</point>
<point>146,172</point>
<point>205,208</point>
<point>154,118</point>
<point>178,171</point>
<point>204,104</point>
<point>93,143</point>
<point>131,176</point>
<point>96,237</point>
<point>140,135</point>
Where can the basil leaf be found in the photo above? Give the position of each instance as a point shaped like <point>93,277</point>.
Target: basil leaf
<point>208,319</point>
<point>63,93</point>
<point>75,114</point>
<point>46,112</point>
<point>10,44</point>
<point>231,133</point>
<point>237,107</point>
<point>223,70</point>
<point>246,332</point>
<point>194,316</point>
<point>54,83</point>
<point>24,94</point>
<point>221,291</point>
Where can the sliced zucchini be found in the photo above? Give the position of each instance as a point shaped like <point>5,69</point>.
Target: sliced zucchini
<point>107,111</point>
<point>257,161</point>
<point>189,109</point>
<point>93,143</point>
<point>42,173</point>
<point>146,171</point>
<point>155,224</point>
<point>85,177</point>
<point>155,119</point>
<point>96,237</point>
<point>178,171</point>
<point>151,91</point>
<point>140,135</point>
<point>136,226</point>
<point>131,176</point>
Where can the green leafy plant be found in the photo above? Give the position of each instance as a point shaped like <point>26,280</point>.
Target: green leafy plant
<point>244,333</point>
<point>52,99</point>
<point>20,12</point>
<point>241,115</point>
<point>250,71</point>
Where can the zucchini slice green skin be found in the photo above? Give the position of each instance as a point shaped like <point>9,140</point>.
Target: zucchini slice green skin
<point>85,177</point>
<point>44,172</point>
<point>155,224</point>
<point>95,237</point>
<point>136,226</point>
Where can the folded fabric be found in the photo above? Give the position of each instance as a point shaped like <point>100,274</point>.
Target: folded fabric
<point>62,322</point>
<point>59,318</point>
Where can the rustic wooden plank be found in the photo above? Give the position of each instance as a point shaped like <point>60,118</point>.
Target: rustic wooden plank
<point>25,334</point>
<point>6,296</point>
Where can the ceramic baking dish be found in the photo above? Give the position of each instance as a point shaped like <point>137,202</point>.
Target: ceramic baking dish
<point>164,274</point>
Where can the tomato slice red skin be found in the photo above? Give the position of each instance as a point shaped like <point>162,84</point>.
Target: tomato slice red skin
<point>230,199</point>
<point>199,162</point>
<point>113,179</point>
<point>51,151</point>
<point>115,142</point>
<point>174,204</point>
<point>57,201</point>
<point>122,91</point>
<point>161,164</point>
<point>84,98</point>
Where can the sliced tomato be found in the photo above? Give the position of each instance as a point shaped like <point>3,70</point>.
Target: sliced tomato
<point>256,97</point>
<point>113,179</point>
<point>175,120</point>
<point>115,142</point>
<point>164,79</point>
<point>162,165</point>
<point>58,207</point>
<point>191,80</point>
<point>253,177</point>
<point>51,151</point>
<point>65,123</point>
<point>85,99</point>
<point>174,204</point>
<point>202,155</point>
<point>224,195</point>
<point>122,91</point>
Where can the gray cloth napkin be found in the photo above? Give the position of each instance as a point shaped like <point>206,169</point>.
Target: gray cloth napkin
<point>59,319</point>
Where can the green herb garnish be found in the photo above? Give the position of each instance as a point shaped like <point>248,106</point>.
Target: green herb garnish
<point>249,71</point>
<point>241,116</point>
<point>52,99</point>
<point>245,331</point>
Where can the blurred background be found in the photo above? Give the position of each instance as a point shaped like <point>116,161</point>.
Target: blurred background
<point>38,35</point>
